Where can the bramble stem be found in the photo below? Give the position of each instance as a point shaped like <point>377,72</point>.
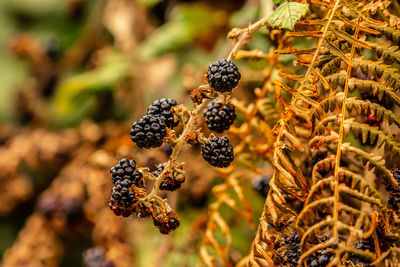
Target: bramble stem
<point>190,126</point>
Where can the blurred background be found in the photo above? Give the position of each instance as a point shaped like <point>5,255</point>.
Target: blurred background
<point>74,76</point>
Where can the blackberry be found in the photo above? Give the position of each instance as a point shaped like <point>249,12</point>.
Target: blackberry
<point>122,195</point>
<point>219,117</point>
<point>223,75</point>
<point>218,152</point>
<point>53,206</point>
<point>364,244</point>
<point>168,183</point>
<point>162,108</point>
<point>261,185</point>
<point>394,199</point>
<point>148,131</point>
<point>167,223</point>
<point>96,257</point>
<point>125,173</point>
<point>293,253</point>
<point>320,259</point>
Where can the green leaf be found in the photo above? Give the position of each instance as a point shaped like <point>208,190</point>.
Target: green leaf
<point>76,96</point>
<point>187,22</point>
<point>278,1</point>
<point>287,15</point>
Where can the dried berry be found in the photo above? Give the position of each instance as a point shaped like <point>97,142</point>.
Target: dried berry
<point>168,183</point>
<point>162,108</point>
<point>219,117</point>
<point>218,152</point>
<point>148,131</point>
<point>223,75</point>
<point>167,223</point>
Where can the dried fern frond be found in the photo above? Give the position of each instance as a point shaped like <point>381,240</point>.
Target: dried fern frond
<point>341,202</point>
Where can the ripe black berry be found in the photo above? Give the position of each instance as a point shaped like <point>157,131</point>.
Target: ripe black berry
<point>162,108</point>
<point>322,258</point>
<point>148,131</point>
<point>122,195</point>
<point>219,117</point>
<point>364,244</point>
<point>223,75</point>
<point>292,254</point>
<point>168,183</point>
<point>125,173</point>
<point>218,152</point>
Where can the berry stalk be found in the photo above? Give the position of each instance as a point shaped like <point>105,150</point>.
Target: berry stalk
<point>189,127</point>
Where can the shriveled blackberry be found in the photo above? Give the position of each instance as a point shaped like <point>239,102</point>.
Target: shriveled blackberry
<point>261,185</point>
<point>125,201</point>
<point>293,253</point>
<point>168,183</point>
<point>219,117</point>
<point>218,152</point>
<point>223,75</point>
<point>96,257</point>
<point>167,223</point>
<point>148,131</point>
<point>162,108</point>
<point>125,172</point>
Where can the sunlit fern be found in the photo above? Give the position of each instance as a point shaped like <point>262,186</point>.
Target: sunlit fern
<point>348,90</point>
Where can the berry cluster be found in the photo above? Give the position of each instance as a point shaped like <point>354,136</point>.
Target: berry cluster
<point>293,253</point>
<point>162,108</point>
<point>218,152</point>
<point>128,195</point>
<point>219,117</point>
<point>125,172</point>
<point>167,223</point>
<point>125,193</point>
<point>223,75</point>
<point>148,131</point>
<point>394,199</point>
<point>322,259</point>
<point>170,182</point>
<point>364,244</point>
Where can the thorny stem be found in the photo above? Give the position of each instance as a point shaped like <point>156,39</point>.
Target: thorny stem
<point>244,35</point>
<point>190,126</point>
